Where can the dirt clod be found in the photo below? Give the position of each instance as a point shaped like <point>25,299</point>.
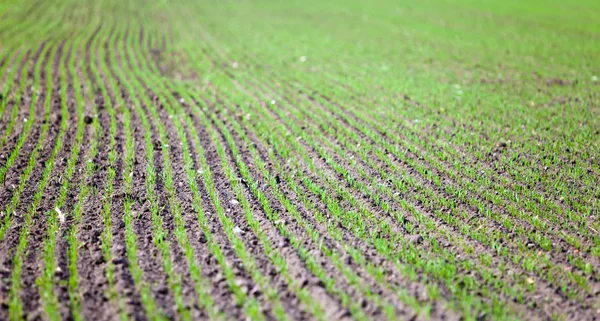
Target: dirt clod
<point>558,82</point>
<point>158,145</point>
<point>415,239</point>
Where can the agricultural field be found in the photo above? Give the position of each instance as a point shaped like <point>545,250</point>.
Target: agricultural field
<point>299,160</point>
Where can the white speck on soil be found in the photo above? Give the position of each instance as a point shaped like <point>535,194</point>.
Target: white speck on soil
<point>235,65</point>
<point>272,102</point>
<point>303,58</point>
<point>234,202</point>
<point>61,216</point>
<point>25,120</point>
<point>237,230</point>
<point>182,100</point>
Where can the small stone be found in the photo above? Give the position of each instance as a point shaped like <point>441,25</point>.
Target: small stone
<point>255,291</point>
<point>237,230</point>
<point>415,239</point>
<point>234,202</point>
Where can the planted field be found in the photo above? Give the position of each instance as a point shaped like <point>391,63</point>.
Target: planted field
<point>299,160</point>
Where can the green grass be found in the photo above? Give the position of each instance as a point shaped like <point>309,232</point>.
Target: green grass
<point>15,305</point>
<point>322,160</point>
